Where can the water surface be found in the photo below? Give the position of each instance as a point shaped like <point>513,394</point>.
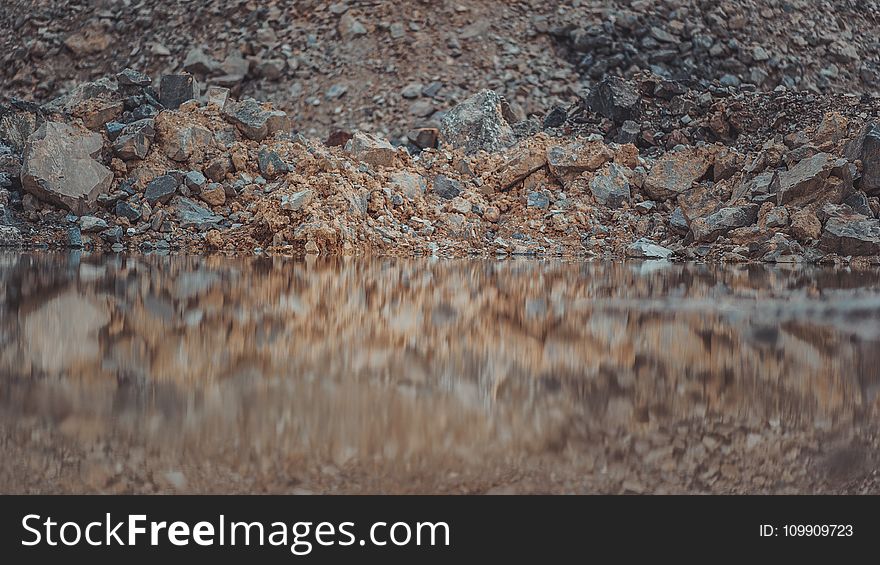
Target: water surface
<point>216,374</point>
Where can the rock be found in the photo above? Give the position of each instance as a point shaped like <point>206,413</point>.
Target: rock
<point>866,147</point>
<point>776,217</point>
<point>113,235</point>
<point>335,91</point>
<point>675,172</point>
<point>217,95</point>
<point>174,90</point>
<point>803,183</point>
<point>195,181</point>
<point>59,167</point>
<point>254,121</point>
<point>805,225</point>
<point>781,249</point>
<point>89,40</point>
<point>214,195</point>
<point>677,221</point>
<point>95,103</point>
<point>567,162</point>
<point>424,138</point>
<point>411,90</point>
<point>371,149</point>
<point>126,210</point>
<point>219,168</point>
<point>628,132</point>
<point>555,117</point>
<point>296,201</point>
<point>189,214</point>
<point>187,143</point>
<point>131,146</point>
<point>131,77</point>
<point>199,63</point>
<point>478,124</point>
<point>647,249</point>
<point>616,100</point>
<point>160,189</point>
<point>10,236</point>
<point>445,187</point>
<point>349,27</point>
<point>410,184</point>
<point>421,108</point>
<point>492,214</point>
<point>91,224</point>
<point>18,121</point>
<point>708,229</point>
<point>537,199</point>
<point>851,236</point>
<point>860,203</point>
<point>519,165</point>
<point>610,186</point>
<point>214,239</point>
<point>74,237</point>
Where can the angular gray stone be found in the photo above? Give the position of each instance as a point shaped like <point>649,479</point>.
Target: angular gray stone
<point>296,201</point>
<point>131,77</point>
<point>91,224</point>
<point>616,100</point>
<point>253,121</point>
<point>371,149</point>
<point>678,222</point>
<point>611,188</point>
<point>537,199</point>
<point>803,183</point>
<point>59,167</point>
<point>126,210</point>
<point>190,214</point>
<point>410,184</point>
<point>174,90</point>
<point>478,123</point>
<point>131,146</point>
<point>270,164</point>
<point>187,142</point>
<point>160,189</point>
<point>445,187</point>
<point>866,147</point>
<point>711,227</point>
<point>850,236</point>
<point>195,181</point>
<point>646,249</point>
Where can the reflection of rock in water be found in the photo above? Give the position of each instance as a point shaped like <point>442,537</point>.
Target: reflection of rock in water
<point>427,371</point>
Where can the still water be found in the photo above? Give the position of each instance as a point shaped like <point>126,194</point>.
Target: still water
<point>217,374</point>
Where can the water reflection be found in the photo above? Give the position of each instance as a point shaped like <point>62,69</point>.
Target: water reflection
<point>212,374</point>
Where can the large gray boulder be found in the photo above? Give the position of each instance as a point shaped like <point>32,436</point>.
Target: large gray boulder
<point>59,167</point>
<point>478,123</point>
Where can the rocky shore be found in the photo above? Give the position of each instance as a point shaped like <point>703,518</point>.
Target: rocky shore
<point>644,167</point>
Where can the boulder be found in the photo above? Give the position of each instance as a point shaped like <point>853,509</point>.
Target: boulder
<point>59,166</point>
<point>805,182</point>
<point>646,249</point>
<point>616,100</point>
<point>866,147</point>
<point>610,186</point>
<point>371,149</point>
<point>478,124</point>
<point>855,235</point>
<point>805,225</point>
<point>675,172</point>
<point>568,161</point>
<point>711,227</point>
<point>253,120</point>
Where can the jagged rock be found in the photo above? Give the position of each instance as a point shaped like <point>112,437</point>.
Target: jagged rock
<point>133,146</point>
<point>445,187</point>
<point>410,184</point>
<point>424,138</point>
<point>174,90</point>
<point>195,181</point>
<point>126,210</point>
<point>199,63</point>
<point>218,168</point>
<point>74,237</point>
<point>854,235</point>
<point>610,186</point>
<point>859,202</point>
<point>781,249</point>
<point>131,77</point>
<point>805,182</point>
<point>708,229</point>
<point>270,163</point>
<point>18,121</point>
<point>568,161</point>
<point>677,221</point>
<point>217,95</point>
<point>555,117</point>
<point>189,214</point>
<point>518,165</point>
<point>478,123</point>
<point>113,235</point>
<point>254,121</point>
<point>91,224</point>
<point>537,199</point>
<point>214,195</point>
<point>160,189</point>
<point>371,149</point>
<point>805,225</point>
<point>59,167</point>
<point>187,143</point>
<point>95,103</point>
<point>10,236</point>
<point>866,147</point>
<point>615,99</point>
<point>296,201</point>
<point>675,172</point>
<point>646,249</point>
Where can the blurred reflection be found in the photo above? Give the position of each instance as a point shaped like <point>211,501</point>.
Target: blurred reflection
<point>214,374</point>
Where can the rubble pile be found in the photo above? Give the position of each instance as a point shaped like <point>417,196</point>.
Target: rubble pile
<point>646,168</point>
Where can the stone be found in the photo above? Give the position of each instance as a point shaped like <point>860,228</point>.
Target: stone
<point>9,236</point>
<point>296,201</point>
<point>445,187</point>
<point>59,167</point>
<point>350,27</point>
<point>113,235</point>
<point>126,210</point>
<point>74,237</point>
<point>860,203</point>
<point>646,249</point>
<point>217,95</point>
<point>174,90</point>
<point>410,184</point>
<point>866,147</point>
<point>187,143</point>
<point>95,103</point>
<point>18,121</point>
<point>610,186</point>
<point>678,222</point>
<point>710,228</point>
<point>538,199</point>
<point>781,249</point>
<point>89,40</point>
<point>805,225</point>
<point>198,62</point>
<point>91,224</point>
<point>131,77</point>
<point>675,172</point>
<point>851,236</point>
<point>555,117</point>
<point>492,214</point>
<point>421,108</point>
<point>520,163</point>
<point>195,181</point>
<point>803,183</point>
<point>478,124</point>
<point>160,189</point>
<point>254,121</point>
<point>776,217</point>
<point>131,146</point>
<point>219,168</point>
<point>190,214</point>
<point>616,100</point>
<point>424,138</point>
<point>628,132</point>
<point>214,194</point>
<point>371,149</point>
<point>568,161</point>
<point>411,90</point>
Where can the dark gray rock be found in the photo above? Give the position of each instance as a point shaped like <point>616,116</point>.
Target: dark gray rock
<point>858,201</point>
<point>478,123</point>
<point>866,147</point>
<point>445,187</point>
<point>131,77</point>
<point>174,90</point>
<point>537,199</point>
<point>253,121</point>
<point>195,181</point>
<point>851,236</point>
<point>710,228</point>
<point>190,214</point>
<point>160,189</point>
<point>616,100</point>
<point>113,235</point>
<point>555,117</point>
<point>677,221</point>
<point>126,210</point>
<point>271,164</point>
<point>74,237</point>
<point>611,188</point>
